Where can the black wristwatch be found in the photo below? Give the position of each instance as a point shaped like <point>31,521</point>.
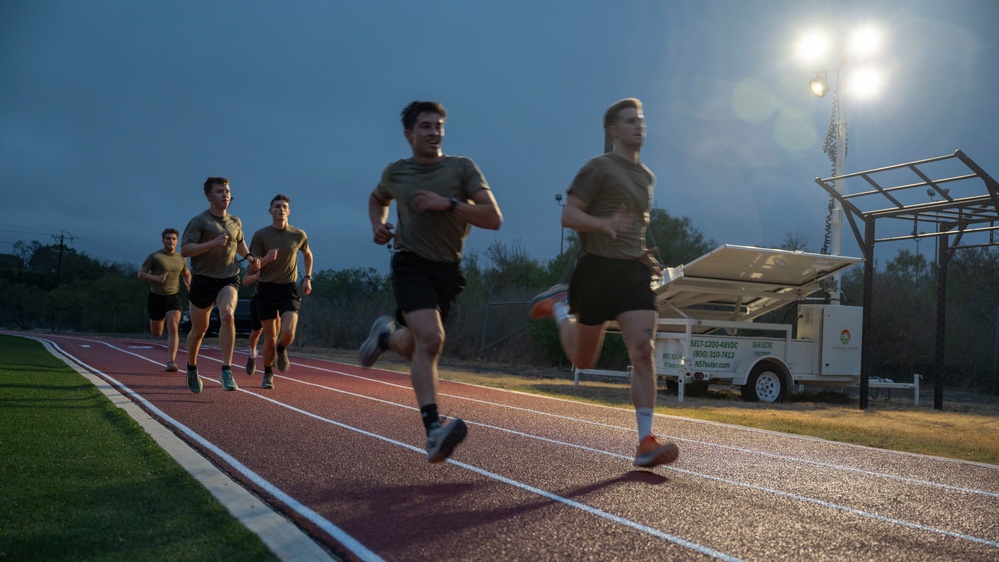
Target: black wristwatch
<point>454,203</point>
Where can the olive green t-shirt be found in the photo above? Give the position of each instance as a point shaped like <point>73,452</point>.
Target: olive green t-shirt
<point>218,263</point>
<point>160,262</point>
<point>284,269</point>
<point>603,185</point>
<point>437,236</point>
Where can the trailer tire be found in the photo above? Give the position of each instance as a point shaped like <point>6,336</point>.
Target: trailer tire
<point>765,384</point>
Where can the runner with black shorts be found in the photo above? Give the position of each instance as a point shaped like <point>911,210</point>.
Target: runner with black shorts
<point>438,199</point>
<point>163,270</point>
<point>212,240</point>
<point>277,296</point>
<point>608,204</point>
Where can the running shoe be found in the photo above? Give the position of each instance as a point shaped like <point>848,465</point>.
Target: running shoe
<point>444,436</point>
<point>171,367</point>
<point>193,380</point>
<point>228,382</point>
<point>251,365</point>
<point>268,381</point>
<point>653,453</point>
<point>541,305</point>
<point>377,342</point>
<point>281,359</point>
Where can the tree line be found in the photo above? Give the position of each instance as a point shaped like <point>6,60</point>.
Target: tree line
<point>55,288</point>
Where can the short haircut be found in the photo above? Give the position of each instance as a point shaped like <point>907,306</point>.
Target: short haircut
<point>170,231</point>
<point>213,180</point>
<point>280,197</point>
<point>611,116</point>
<point>413,111</point>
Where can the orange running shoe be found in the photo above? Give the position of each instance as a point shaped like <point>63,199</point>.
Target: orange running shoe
<point>541,305</point>
<point>653,453</point>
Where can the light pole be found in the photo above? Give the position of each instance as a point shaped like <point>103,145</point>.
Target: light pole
<point>561,241</point>
<point>815,47</point>
<point>835,148</point>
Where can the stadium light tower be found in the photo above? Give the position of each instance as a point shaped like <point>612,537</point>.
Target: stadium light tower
<point>832,53</point>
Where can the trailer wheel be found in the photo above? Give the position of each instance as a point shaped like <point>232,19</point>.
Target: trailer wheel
<point>764,385</point>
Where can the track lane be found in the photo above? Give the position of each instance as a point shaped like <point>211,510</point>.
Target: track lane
<point>600,455</point>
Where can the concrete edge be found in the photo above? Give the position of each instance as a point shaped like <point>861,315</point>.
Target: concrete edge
<point>281,536</point>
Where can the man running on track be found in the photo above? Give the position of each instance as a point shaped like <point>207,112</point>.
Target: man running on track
<point>438,199</point>
<point>212,240</point>
<point>277,296</point>
<point>608,204</point>
<point>163,270</point>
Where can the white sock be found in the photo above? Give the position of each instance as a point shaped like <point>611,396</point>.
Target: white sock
<point>560,311</point>
<point>644,418</point>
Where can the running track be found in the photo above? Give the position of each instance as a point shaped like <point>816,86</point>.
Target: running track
<point>339,450</point>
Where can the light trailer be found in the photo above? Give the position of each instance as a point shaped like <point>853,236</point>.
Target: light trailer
<point>706,332</point>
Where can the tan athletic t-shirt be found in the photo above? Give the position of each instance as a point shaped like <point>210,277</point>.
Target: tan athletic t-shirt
<point>160,262</point>
<point>217,263</point>
<point>284,269</point>
<point>604,184</point>
<point>437,236</point>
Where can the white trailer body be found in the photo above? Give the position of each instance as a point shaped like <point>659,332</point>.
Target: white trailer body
<point>707,334</point>
<point>765,366</point>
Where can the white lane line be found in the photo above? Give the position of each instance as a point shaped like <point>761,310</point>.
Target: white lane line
<point>284,542</point>
<point>815,501</point>
<point>788,495</point>
<point>905,479</point>
<point>305,511</point>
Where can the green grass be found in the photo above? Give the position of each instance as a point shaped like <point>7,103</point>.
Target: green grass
<point>83,481</point>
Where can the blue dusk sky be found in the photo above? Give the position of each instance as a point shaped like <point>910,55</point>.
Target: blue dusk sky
<point>113,113</point>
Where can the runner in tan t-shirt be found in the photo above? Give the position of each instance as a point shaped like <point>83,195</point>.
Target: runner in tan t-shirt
<point>163,270</point>
<point>277,296</point>
<point>212,240</point>
<point>608,204</point>
<point>438,199</point>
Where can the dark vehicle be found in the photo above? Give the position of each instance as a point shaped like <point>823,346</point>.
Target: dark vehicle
<point>242,320</point>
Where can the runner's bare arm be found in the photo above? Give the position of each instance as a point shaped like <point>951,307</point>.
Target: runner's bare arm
<point>378,211</point>
<point>574,216</point>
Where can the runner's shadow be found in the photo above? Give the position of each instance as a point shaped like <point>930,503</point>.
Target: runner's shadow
<point>633,476</point>
<point>408,506</point>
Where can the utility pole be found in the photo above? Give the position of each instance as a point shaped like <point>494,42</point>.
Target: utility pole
<point>62,237</point>
<point>62,246</point>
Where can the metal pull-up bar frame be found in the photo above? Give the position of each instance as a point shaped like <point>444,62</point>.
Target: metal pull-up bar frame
<point>964,208</point>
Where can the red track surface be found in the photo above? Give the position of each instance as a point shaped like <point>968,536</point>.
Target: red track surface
<point>339,449</point>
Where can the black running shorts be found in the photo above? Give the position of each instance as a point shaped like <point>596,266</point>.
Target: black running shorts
<point>274,299</point>
<point>602,288</point>
<point>421,284</point>
<point>205,289</point>
<point>159,305</point>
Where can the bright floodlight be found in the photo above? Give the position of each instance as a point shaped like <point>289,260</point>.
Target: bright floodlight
<point>866,82</point>
<point>813,47</point>
<point>819,85</point>
<point>865,41</point>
